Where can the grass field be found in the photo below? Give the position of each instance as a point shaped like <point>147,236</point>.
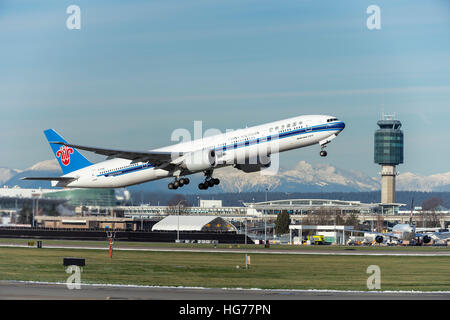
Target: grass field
<point>219,269</point>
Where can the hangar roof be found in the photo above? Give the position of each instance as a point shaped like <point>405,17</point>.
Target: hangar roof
<point>189,223</point>
<point>298,204</point>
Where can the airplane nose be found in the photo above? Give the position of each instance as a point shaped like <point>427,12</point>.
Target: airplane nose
<point>340,126</point>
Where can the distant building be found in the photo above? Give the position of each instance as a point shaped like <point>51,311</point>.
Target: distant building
<point>74,222</point>
<point>388,153</point>
<point>305,206</point>
<point>23,193</point>
<point>210,203</point>
<point>9,197</point>
<point>13,200</point>
<point>86,197</point>
<point>43,201</point>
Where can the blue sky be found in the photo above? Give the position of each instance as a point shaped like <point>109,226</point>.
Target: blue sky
<point>137,70</point>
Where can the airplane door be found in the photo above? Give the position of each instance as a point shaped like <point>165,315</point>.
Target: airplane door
<point>308,128</point>
<point>94,175</point>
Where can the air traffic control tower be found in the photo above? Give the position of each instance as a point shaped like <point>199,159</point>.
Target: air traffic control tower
<point>388,154</point>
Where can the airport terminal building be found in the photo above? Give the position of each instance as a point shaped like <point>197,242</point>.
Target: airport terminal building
<point>104,203</point>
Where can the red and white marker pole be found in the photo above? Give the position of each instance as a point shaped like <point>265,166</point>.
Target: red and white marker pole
<point>110,247</point>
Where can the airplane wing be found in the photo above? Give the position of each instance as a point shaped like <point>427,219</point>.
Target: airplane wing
<point>442,235</point>
<point>424,234</point>
<point>438,235</point>
<point>62,179</point>
<point>153,157</point>
<point>387,234</point>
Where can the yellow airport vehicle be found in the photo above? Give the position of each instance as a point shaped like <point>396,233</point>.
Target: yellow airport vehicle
<point>316,239</point>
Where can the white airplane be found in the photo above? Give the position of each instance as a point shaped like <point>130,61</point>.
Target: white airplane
<point>246,149</point>
<point>402,231</point>
<point>407,232</point>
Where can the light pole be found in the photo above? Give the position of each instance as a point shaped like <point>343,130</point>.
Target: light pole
<point>32,213</point>
<point>253,206</point>
<point>265,220</point>
<point>178,220</point>
<point>240,225</point>
<point>178,223</point>
<point>34,210</point>
<point>245,229</point>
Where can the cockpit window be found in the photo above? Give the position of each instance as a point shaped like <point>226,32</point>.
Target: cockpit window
<point>332,119</point>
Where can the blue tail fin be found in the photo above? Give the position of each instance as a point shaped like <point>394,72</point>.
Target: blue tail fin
<point>69,158</point>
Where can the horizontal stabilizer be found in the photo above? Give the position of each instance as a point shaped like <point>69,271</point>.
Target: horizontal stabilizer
<point>63,179</point>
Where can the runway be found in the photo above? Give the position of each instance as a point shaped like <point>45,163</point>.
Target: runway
<point>12,290</point>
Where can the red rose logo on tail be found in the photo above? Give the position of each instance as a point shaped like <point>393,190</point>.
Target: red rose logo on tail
<point>64,153</point>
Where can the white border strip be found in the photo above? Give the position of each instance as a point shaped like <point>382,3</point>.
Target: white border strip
<point>412,292</point>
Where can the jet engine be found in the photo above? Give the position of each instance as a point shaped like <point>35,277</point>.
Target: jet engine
<point>199,160</point>
<point>426,239</point>
<point>261,163</point>
<point>379,239</point>
<point>247,168</point>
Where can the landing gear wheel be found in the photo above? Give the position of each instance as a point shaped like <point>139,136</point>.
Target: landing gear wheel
<point>209,181</point>
<point>203,186</point>
<point>178,183</point>
<point>323,153</point>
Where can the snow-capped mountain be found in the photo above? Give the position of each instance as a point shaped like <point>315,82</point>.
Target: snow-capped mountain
<point>47,165</point>
<point>6,174</point>
<point>303,177</point>
<point>12,177</point>
<point>413,182</point>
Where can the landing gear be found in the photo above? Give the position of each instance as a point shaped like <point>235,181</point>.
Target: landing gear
<point>323,153</point>
<point>209,181</point>
<point>178,183</point>
<point>184,181</point>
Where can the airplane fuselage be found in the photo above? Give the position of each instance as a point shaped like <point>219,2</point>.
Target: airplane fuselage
<point>404,232</point>
<point>231,148</point>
